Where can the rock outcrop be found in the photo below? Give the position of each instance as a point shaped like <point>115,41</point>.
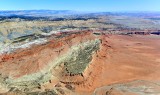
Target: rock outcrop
<point>138,87</point>
<point>78,63</point>
<point>67,58</point>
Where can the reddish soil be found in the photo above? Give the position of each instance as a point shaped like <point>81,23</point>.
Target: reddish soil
<point>120,59</point>
<point>129,58</point>
<point>27,61</point>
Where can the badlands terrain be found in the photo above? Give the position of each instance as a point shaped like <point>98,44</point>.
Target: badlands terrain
<point>79,53</point>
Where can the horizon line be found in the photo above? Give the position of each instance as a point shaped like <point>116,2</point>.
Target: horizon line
<point>77,10</point>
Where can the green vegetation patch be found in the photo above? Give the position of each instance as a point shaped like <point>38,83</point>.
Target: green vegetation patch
<point>80,56</point>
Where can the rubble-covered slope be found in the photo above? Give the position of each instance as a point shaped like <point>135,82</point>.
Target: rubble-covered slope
<point>137,87</point>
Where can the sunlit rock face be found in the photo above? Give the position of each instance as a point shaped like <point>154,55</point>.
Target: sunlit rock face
<point>82,63</point>
<point>31,67</point>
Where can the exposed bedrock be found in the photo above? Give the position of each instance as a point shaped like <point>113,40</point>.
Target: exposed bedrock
<point>69,61</point>
<point>137,87</point>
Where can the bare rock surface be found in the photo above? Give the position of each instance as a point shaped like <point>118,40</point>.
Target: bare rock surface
<point>83,63</point>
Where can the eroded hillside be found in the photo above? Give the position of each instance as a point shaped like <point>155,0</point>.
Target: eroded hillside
<point>36,67</point>
<point>79,63</point>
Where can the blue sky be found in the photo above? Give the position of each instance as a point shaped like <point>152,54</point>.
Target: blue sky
<point>82,5</point>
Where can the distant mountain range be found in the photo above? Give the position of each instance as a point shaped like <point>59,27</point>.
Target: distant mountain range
<point>39,13</point>
<point>60,13</point>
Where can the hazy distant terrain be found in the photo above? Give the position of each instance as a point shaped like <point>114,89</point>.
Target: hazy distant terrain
<point>18,23</point>
<point>39,13</point>
<point>15,24</point>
